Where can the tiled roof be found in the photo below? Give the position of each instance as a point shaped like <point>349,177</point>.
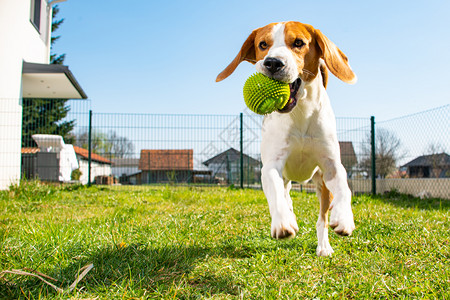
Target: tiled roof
<point>78,150</point>
<point>164,160</point>
<point>94,157</point>
<point>26,150</point>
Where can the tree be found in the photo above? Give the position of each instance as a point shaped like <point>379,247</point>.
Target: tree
<point>110,145</point>
<point>434,148</point>
<point>44,116</point>
<point>54,58</point>
<point>387,153</point>
<point>47,115</point>
<point>97,141</point>
<point>120,147</point>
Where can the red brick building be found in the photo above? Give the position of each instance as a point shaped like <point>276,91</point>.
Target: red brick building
<point>162,166</point>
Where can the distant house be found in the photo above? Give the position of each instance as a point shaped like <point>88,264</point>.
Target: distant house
<point>348,157</point>
<point>225,167</point>
<point>429,166</point>
<point>45,165</point>
<point>122,168</point>
<point>100,166</point>
<point>54,160</point>
<point>159,166</point>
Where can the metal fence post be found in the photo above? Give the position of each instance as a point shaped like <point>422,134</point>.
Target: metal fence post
<point>372,142</point>
<point>242,148</point>
<point>89,147</point>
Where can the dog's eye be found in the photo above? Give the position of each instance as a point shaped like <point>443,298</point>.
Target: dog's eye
<point>298,43</point>
<point>263,45</point>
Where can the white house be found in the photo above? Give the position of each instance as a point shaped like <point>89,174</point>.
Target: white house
<point>100,166</point>
<point>25,72</point>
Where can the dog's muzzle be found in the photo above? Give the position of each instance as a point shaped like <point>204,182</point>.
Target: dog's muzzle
<point>274,68</point>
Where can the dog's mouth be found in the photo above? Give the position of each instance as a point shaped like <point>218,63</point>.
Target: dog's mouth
<point>292,102</point>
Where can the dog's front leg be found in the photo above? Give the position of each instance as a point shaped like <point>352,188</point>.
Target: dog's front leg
<point>284,224</point>
<point>274,153</point>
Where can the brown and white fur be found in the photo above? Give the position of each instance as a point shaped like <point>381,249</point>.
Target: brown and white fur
<point>300,142</point>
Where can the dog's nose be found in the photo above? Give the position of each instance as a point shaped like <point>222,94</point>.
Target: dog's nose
<point>273,65</point>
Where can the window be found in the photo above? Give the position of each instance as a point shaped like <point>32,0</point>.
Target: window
<point>35,15</point>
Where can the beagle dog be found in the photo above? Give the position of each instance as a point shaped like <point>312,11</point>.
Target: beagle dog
<point>299,142</point>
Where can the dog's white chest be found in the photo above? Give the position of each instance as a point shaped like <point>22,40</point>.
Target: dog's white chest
<point>301,164</point>
<point>292,142</point>
<point>299,139</point>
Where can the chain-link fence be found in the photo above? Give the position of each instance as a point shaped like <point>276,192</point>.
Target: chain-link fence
<point>201,149</point>
<point>420,146</point>
<point>196,149</point>
<point>138,149</point>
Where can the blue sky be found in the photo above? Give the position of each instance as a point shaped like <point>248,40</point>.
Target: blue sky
<point>164,56</point>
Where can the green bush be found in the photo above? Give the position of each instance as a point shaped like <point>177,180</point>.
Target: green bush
<point>76,174</point>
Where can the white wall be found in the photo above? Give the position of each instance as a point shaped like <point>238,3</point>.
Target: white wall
<point>97,169</point>
<point>433,187</point>
<point>20,41</point>
<point>10,141</point>
<point>429,187</point>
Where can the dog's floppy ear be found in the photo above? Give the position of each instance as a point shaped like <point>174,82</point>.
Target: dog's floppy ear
<point>247,53</point>
<point>335,59</point>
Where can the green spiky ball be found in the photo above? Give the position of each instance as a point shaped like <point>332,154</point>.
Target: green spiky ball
<point>263,94</point>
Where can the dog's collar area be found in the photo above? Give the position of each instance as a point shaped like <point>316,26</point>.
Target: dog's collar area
<point>294,86</point>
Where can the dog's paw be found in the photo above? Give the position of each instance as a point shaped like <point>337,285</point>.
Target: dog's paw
<point>284,227</point>
<point>341,219</point>
<point>324,250</point>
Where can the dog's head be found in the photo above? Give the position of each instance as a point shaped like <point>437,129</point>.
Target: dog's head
<point>291,52</point>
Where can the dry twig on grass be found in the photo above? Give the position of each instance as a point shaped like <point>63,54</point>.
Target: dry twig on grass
<point>41,277</point>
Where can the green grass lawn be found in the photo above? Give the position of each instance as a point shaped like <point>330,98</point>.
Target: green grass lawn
<point>203,242</point>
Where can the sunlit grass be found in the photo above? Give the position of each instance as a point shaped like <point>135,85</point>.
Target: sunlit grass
<point>208,242</point>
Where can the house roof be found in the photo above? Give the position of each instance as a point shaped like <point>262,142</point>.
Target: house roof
<point>50,81</point>
<point>125,162</point>
<point>84,153</point>
<point>28,150</point>
<point>166,160</point>
<point>79,151</point>
<point>433,160</point>
<point>348,155</point>
<point>230,155</point>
